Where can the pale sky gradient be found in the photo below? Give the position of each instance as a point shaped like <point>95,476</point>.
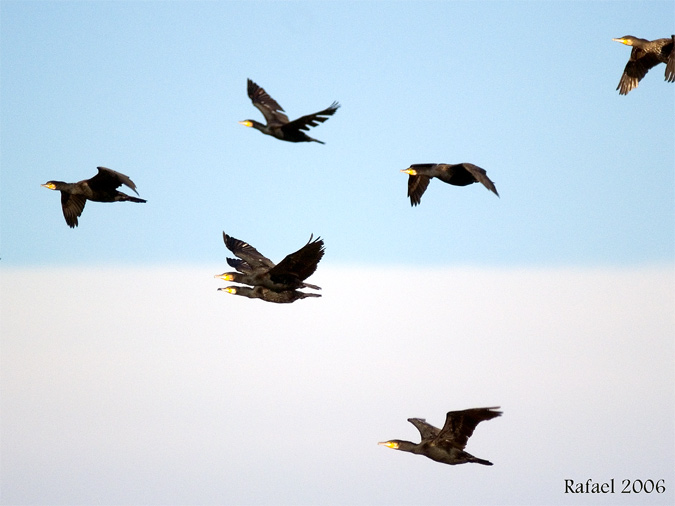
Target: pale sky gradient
<point>186,395</point>
<point>127,378</point>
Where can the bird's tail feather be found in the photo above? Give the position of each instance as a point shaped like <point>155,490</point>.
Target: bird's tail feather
<point>476,460</point>
<point>135,199</point>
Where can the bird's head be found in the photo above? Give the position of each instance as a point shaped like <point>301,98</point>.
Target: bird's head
<point>229,289</point>
<point>50,184</point>
<point>394,444</point>
<point>626,39</point>
<point>410,171</point>
<point>226,276</point>
<point>247,123</point>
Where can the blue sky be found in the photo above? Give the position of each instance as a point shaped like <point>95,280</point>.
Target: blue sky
<point>525,90</point>
<point>126,378</point>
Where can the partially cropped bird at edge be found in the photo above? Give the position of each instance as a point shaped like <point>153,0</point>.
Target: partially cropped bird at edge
<point>460,174</point>
<point>100,188</point>
<point>256,270</point>
<point>277,123</point>
<point>645,55</point>
<point>447,445</point>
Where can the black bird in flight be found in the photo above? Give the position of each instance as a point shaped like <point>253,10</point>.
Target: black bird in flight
<point>645,55</point>
<point>460,174</point>
<point>447,444</point>
<point>258,270</point>
<point>268,295</point>
<point>278,124</point>
<point>100,188</point>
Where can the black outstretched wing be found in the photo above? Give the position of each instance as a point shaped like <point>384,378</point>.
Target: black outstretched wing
<point>269,107</point>
<point>299,265</point>
<point>72,206</point>
<point>108,180</point>
<point>459,425</point>
<point>239,265</point>
<point>481,176</point>
<point>417,185</point>
<point>427,431</point>
<point>311,120</point>
<point>670,64</point>
<point>637,67</point>
<point>247,253</point>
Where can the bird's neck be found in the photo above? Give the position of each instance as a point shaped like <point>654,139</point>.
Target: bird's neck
<point>60,185</point>
<point>409,446</point>
<point>258,126</point>
<point>251,293</point>
<point>640,43</point>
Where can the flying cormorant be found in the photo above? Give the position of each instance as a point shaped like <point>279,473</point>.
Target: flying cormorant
<point>278,124</point>
<point>447,445</point>
<point>100,188</point>
<point>645,55</point>
<point>460,174</point>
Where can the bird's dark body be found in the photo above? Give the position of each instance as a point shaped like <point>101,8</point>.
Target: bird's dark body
<point>268,295</point>
<point>447,455</point>
<point>102,195</point>
<point>454,176</point>
<point>267,280</point>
